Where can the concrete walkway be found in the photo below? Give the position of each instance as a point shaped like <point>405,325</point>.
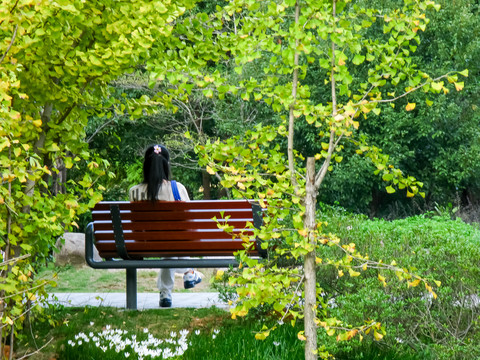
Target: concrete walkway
<point>144,300</point>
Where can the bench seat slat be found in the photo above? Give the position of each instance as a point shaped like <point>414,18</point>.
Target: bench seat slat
<point>172,215</point>
<point>170,225</point>
<point>172,245</point>
<point>170,235</point>
<point>191,248</point>
<point>179,205</point>
<point>176,253</point>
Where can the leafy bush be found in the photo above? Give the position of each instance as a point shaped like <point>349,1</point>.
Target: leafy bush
<point>444,251</point>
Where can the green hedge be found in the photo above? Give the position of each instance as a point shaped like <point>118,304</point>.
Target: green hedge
<point>436,248</point>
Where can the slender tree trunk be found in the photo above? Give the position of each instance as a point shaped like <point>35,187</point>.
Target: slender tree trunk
<point>59,179</point>
<point>206,183</point>
<point>291,117</point>
<point>6,255</point>
<point>331,144</point>
<point>12,339</point>
<point>309,266</point>
<point>46,115</point>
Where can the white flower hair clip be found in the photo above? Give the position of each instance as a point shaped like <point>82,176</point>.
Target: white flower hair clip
<point>157,149</point>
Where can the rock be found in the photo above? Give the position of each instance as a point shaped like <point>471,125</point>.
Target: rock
<point>73,250</point>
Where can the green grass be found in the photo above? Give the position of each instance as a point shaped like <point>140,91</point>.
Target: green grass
<point>219,337</point>
<point>236,340</point>
<point>212,335</point>
<point>81,278</point>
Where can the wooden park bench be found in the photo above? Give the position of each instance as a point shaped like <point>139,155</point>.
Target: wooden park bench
<point>134,235</point>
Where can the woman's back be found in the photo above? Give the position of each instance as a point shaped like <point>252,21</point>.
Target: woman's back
<point>139,192</point>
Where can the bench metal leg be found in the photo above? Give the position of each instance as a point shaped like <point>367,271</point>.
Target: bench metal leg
<point>131,289</point>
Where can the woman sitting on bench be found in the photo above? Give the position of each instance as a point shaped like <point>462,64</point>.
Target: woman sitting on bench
<point>156,185</point>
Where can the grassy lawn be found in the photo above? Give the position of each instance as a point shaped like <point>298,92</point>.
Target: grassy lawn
<point>82,278</point>
<point>211,334</point>
<point>92,333</point>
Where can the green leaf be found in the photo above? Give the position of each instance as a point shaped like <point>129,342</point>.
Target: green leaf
<point>438,86</point>
<point>358,59</point>
<point>390,189</point>
<point>387,177</point>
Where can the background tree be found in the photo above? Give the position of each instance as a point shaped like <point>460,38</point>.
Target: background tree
<point>332,38</point>
<point>437,144</point>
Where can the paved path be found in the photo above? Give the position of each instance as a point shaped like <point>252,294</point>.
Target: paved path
<point>144,300</point>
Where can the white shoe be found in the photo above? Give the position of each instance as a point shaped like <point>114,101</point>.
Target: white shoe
<point>190,279</point>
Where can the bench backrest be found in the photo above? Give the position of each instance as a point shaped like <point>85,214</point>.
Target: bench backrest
<point>168,228</point>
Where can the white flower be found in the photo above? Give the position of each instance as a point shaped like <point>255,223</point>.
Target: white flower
<point>197,332</point>
<point>276,343</point>
<point>127,354</point>
<point>173,334</point>
<point>349,227</point>
<point>92,323</point>
<point>216,331</point>
<point>145,330</point>
<point>214,336</point>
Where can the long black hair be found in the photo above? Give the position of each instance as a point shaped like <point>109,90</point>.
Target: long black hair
<point>156,169</point>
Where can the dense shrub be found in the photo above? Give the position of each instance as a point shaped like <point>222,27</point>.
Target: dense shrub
<point>436,248</point>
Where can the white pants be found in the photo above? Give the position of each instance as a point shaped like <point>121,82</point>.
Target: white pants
<point>166,279</point>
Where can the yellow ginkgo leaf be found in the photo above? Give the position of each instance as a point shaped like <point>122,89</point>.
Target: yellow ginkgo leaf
<point>410,106</point>
<point>303,232</point>
<point>414,283</point>
<point>377,335</point>
<point>459,86</point>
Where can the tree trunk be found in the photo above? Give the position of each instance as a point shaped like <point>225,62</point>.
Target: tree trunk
<point>206,183</point>
<point>291,117</point>
<point>375,203</point>
<point>60,178</point>
<point>309,266</point>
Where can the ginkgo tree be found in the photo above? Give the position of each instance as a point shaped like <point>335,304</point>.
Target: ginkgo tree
<point>364,56</point>
<point>56,59</point>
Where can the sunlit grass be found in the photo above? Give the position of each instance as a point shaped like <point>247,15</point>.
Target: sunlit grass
<point>82,278</point>
<point>229,340</point>
<point>108,333</point>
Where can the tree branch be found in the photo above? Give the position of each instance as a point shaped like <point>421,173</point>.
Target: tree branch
<point>407,92</point>
<point>291,117</point>
<point>11,43</point>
